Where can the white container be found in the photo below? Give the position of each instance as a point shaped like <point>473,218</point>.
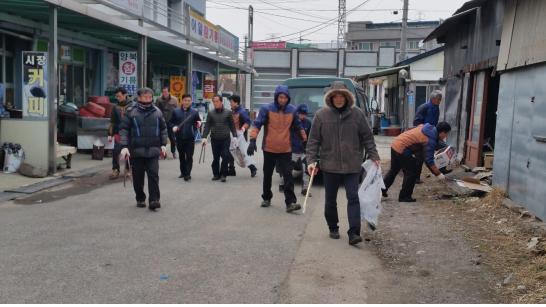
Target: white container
<point>445,158</point>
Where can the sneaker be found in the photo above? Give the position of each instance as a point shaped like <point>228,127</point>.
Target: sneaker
<point>223,179</point>
<point>266,203</point>
<point>231,172</point>
<point>154,205</point>
<point>114,175</point>
<point>292,207</point>
<point>141,204</point>
<point>354,239</point>
<point>215,178</point>
<point>253,171</point>
<point>407,200</point>
<point>384,193</point>
<point>304,193</point>
<point>334,234</point>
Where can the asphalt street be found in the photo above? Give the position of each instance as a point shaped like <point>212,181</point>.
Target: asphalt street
<point>209,243</point>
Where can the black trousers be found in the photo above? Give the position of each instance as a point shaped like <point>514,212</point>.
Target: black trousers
<point>185,154</point>
<point>410,166</point>
<point>283,161</point>
<point>220,150</point>
<point>331,185</point>
<point>172,137</point>
<point>115,156</point>
<point>149,166</point>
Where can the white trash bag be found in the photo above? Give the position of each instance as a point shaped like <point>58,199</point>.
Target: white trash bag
<point>238,151</point>
<point>369,193</point>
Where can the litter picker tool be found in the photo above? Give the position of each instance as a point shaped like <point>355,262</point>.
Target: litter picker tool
<point>309,187</point>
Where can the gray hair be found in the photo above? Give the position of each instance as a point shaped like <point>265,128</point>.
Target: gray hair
<point>145,90</point>
<point>436,94</point>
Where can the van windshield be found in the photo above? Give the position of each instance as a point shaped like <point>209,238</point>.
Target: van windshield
<point>312,96</point>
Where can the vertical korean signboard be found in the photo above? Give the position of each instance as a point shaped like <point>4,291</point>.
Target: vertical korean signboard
<point>209,89</point>
<point>177,87</point>
<point>128,71</point>
<point>35,85</point>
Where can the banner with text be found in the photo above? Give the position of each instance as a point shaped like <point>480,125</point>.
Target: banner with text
<point>128,71</point>
<point>35,85</point>
<point>203,30</point>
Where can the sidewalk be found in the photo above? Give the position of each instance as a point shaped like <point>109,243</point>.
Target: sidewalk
<point>81,163</point>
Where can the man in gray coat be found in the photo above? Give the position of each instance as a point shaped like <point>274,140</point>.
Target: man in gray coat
<point>340,133</point>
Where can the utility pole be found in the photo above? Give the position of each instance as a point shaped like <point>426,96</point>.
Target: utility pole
<point>341,23</point>
<point>404,40</point>
<point>250,25</point>
<point>245,54</point>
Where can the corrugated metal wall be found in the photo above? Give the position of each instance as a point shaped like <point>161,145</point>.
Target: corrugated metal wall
<point>519,163</point>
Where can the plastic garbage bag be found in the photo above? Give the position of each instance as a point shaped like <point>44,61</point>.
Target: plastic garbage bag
<point>238,151</point>
<point>369,193</point>
<point>13,159</point>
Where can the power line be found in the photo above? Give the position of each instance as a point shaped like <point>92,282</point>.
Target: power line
<point>326,23</point>
<point>260,12</point>
<point>291,10</point>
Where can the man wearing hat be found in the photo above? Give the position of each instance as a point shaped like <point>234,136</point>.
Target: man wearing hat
<point>341,134</point>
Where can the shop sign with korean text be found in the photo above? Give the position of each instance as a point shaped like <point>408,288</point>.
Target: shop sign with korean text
<point>209,89</point>
<point>128,71</point>
<point>203,30</point>
<point>228,43</point>
<point>35,85</point>
<point>177,87</point>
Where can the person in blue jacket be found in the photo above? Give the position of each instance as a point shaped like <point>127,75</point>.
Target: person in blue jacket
<point>428,113</point>
<point>185,122</point>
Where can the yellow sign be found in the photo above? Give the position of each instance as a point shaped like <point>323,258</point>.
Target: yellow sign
<point>178,87</point>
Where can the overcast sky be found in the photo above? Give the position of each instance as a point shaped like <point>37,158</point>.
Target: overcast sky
<point>318,16</point>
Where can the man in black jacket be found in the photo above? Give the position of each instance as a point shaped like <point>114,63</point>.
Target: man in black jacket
<point>113,131</point>
<point>143,138</point>
<point>185,122</point>
<point>219,124</point>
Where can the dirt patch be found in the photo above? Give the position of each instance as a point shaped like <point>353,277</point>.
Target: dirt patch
<point>77,186</point>
<point>466,244</point>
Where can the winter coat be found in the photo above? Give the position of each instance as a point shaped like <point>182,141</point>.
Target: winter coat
<point>143,132</point>
<point>187,132</point>
<point>278,122</point>
<point>419,141</point>
<point>340,137</point>
<point>167,106</point>
<point>427,113</point>
<point>117,115</point>
<point>298,145</point>
<point>219,124</point>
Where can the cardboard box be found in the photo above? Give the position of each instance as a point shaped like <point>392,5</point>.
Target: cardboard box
<point>488,160</point>
<point>445,158</point>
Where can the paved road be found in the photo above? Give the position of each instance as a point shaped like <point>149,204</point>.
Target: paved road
<point>211,242</point>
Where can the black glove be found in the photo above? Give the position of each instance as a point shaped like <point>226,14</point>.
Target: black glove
<point>251,148</point>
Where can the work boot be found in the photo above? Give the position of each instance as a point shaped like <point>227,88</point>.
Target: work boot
<point>266,203</point>
<point>406,200</point>
<point>114,175</point>
<point>223,179</point>
<point>215,178</point>
<point>141,204</point>
<point>354,239</point>
<point>231,172</point>
<point>253,171</point>
<point>154,205</point>
<point>334,234</point>
<point>384,193</point>
<point>292,207</point>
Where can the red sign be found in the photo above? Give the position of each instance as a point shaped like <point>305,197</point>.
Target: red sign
<point>268,45</point>
<point>209,89</point>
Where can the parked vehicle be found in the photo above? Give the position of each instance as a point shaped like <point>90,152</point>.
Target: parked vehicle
<point>311,90</point>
